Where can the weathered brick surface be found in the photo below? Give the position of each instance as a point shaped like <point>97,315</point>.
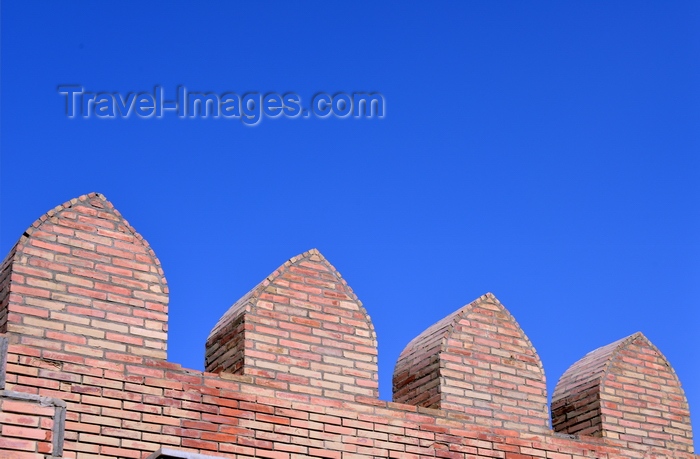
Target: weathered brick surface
<point>626,390</point>
<point>31,426</point>
<point>476,361</point>
<point>27,428</point>
<point>123,404</point>
<point>302,328</point>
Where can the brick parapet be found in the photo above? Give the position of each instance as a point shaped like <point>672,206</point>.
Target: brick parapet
<point>479,362</point>
<point>301,327</point>
<point>136,405</point>
<point>626,389</point>
<point>82,281</point>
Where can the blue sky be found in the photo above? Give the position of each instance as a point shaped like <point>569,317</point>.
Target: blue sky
<point>544,151</point>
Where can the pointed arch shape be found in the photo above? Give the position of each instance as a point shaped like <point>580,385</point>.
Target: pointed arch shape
<point>479,362</point>
<point>303,327</point>
<point>624,390</point>
<point>82,280</point>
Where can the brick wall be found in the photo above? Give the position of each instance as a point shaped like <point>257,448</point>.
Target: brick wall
<point>293,369</point>
<point>31,426</point>
<point>28,427</point>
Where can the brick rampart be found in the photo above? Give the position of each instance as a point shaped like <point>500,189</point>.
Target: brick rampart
<point>82,361</point>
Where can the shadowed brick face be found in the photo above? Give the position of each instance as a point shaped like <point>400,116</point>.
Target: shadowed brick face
<point>292,369</point>
<point>301,329</point>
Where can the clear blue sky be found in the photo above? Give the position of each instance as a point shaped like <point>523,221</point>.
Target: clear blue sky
<point>544,151</point>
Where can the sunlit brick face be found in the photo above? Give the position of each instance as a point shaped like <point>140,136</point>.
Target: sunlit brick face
<point>477,362</point>
<point>81,281</point>
<point>302,328</point>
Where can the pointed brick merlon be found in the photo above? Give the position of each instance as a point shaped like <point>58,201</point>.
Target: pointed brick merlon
<point>626,390</point>
<point>81,281</point>
<point>477,362</point>
<point>301,329</point>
